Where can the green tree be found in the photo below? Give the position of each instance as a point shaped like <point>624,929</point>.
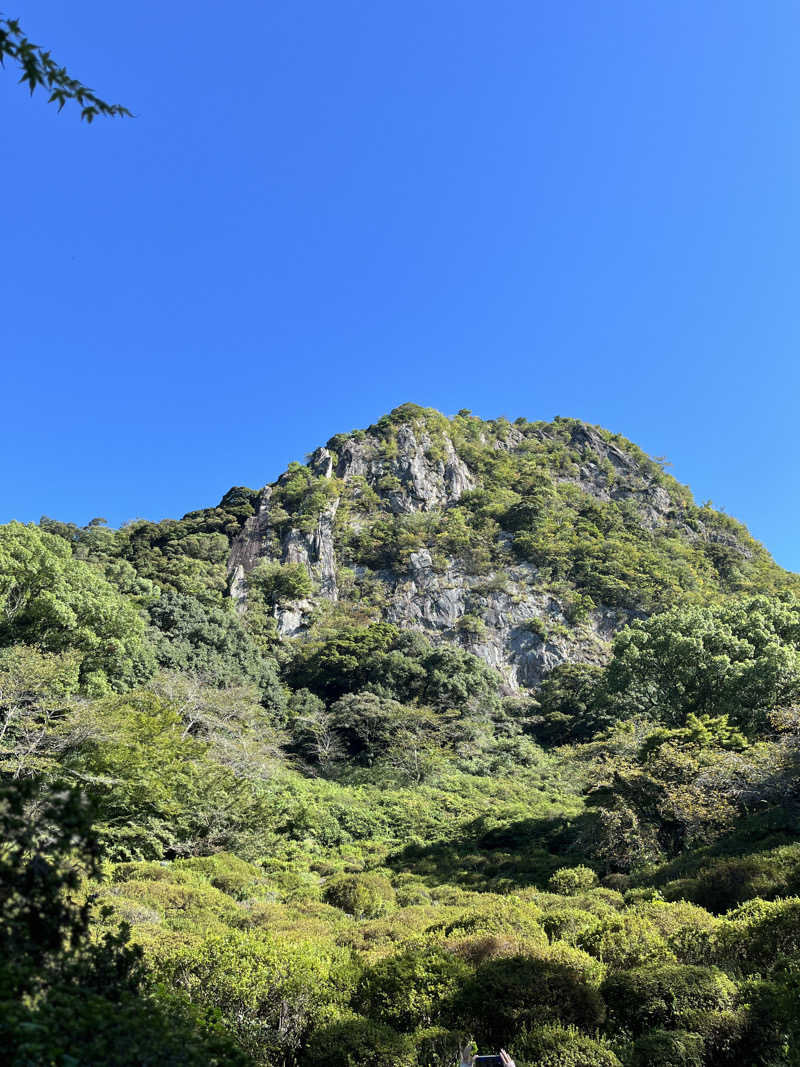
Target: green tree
<point>279,582</point>
<point>740,659</point>
<point>50,599</point>
<point>39,720</point>
<point>210,642</point>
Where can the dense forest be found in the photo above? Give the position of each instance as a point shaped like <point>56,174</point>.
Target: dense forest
<point>459,731</point>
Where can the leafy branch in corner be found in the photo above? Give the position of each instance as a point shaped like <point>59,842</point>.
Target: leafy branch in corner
<point>40,69</point>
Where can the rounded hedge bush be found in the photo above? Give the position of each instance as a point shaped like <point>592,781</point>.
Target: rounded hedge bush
<point>668,996</point>
<point>412,989</point>
<point>626,940</point>
<point>356,1041</point>
<point>569,880</point>
<point>562,1046</point>
<point>507,996</point>
<point>761,935</point>
<point>569,924</point>
<point>364,896</point>
<point>669,1048</point>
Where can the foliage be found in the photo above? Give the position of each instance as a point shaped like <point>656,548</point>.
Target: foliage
<point>270,992</point>
<point>412,989</point>
<point>50,599</point>
<point>568,880</point>
<point>279,582</point>
<point>570,704</point>
<point>38,68</point>
<point>211,642</point>
<point>69,994</point>
<point>510,994</point>
<point>365,896</point>
<point>39,722</point>
<point>738,659</point>
<point>671,996</point>
<point>669,1048</point>
<point>359,1042</point>
<point>562,1046</point>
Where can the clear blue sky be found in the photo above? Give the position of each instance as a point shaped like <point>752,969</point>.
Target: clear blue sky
<point>323,210</point>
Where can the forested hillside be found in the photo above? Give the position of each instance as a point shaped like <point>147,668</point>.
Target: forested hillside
<point>460,730</point>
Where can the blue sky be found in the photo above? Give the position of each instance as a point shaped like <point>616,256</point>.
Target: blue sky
<point>324,210</point>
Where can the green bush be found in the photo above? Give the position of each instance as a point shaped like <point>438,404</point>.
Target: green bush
<point>570,880</point>
<point>561,1046</point>
<point>507,996</point>
<point>280,582</point>
<point>358,1042</point>
<point>197,906</point>
<point>626,940</point>
<point>771,1032</point>
<point>436,1046</point>
<point>364,896</point>
<point>672,996</point>
<point>669,1048</point>
<point>271,992</point>
<point>412,989</point>
<point>762,935</point>
<point>728,881</point>
<point>75,1026</point>
<point>498,915</point>
<point>225,872</point>
<point>569,924</point>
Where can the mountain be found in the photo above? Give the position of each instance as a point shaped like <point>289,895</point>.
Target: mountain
<point>527,544</point>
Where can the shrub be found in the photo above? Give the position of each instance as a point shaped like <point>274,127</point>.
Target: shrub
<point>437,1047</point>
<point>618,882</point>
<point>569,924</point>
<point>225,872</point>
<point>280,582</point>
<point>356,1041</point>
<point>154,871</point>
<point>365,896</point>
<point>76,1026</point>
<point>509,995</point>
<point>561,1046</point>
<point>569,880</point>
<point>664,1048</point>
<point>472,625</point>
<point>626,940</point>
<point>687,929</point>
<point>482,947</point>
<point>271,992</point>
<point>668,996</point>
<point>772,1026</point>
<point>499,916</point>
<point>412,989</point>
<point>761,935</point>
<point>723,884</point>
<point>192,906</point>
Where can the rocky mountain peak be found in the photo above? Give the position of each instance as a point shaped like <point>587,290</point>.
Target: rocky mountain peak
<point>527,543</point>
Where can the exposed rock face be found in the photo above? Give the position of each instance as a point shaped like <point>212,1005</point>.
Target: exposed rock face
<point>425,483</point>
<point>504,613</point>
<point>314,550</point>
<point>437,603</point>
